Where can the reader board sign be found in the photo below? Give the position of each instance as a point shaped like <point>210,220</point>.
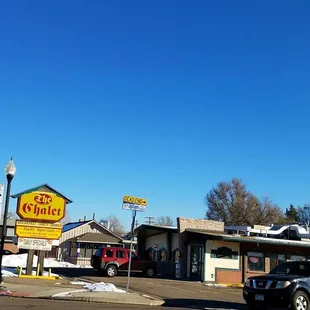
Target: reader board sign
<point>38,230</point>
<point>34,244</point>
<point>134,203</point>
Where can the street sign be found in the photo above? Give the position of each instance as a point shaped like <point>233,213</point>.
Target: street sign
<point>38,230</point>
<point>134,203</point>
<point>34,244</point>
<point>41,206</point>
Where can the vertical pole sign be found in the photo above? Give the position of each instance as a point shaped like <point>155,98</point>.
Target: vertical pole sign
<point>134,204</point>
<point>40,213</point>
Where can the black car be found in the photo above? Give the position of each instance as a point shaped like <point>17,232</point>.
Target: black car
<point>286,286</point>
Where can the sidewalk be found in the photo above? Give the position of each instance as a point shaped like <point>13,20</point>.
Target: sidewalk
<point>63,290</point>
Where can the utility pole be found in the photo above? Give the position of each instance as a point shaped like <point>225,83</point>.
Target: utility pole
<point>149,220</point>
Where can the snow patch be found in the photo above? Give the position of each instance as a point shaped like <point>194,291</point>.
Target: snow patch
<point>103,287</point>
<point>6,272</point>
<point>21,261</point>
<point>12,272</point>
<point>215,285</point>
<point>92,287</point>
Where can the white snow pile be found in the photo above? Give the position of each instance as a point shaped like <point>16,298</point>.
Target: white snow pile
<point>21,261</point>
<point>8,272</point>
<point>92,287</point>
<point>102,287</point>
<point>215,285</point>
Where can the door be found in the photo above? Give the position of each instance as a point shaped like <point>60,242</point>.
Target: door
<point>122,259</point>
<point>196,262</point>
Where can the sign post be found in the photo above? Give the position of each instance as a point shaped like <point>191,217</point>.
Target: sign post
<point>134,204</point>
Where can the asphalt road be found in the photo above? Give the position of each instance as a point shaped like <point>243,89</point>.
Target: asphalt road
<point>175,293</point>
<point>23,303</point>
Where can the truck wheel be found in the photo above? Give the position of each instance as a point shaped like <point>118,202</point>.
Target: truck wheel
<point>150,272</point>
<point>300,301</point>
<point>111,271</point>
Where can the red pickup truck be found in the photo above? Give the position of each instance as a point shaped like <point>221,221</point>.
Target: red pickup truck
<point>112,260</point>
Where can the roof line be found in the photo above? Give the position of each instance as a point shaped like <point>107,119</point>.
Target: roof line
<point>111,232</point>
<point>42,185</point>
<point>94,221</point>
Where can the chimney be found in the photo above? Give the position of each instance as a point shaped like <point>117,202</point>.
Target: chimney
<point>94,216</point>
<point>85,218</point>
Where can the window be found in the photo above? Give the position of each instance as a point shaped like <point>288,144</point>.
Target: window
<point>120,254</point>
<point>224,252</point>
<point>256,261</point>
<point>10,232</point>
<point>295,258</point>
<point>294,268</point>
<point>276,259</point>
<point>98,252</point>
<point>109,253</point>
<point>134,255</point>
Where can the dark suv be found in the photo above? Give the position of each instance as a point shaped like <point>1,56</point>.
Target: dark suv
<point>286,286</point>
<point>113,260</point>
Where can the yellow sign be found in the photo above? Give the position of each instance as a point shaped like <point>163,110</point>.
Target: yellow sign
<point>41,206</point>
<point>135,200</point>
<point>37,230</point>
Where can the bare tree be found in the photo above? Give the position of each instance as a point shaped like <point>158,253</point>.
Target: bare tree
<point>304,214</point>
<point>66,219</point>
<point>11,216</point>
<point>165,221</point>
<point>233,204</point>
<point>115,225</point>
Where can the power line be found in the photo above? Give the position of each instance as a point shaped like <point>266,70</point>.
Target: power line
<point>149,220</point>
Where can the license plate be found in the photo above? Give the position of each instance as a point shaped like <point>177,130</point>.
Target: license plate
<point>259,297</point>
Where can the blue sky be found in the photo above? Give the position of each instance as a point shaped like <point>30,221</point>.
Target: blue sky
<point>158,99</point>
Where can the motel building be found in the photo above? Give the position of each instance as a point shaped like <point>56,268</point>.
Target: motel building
<point>208,251</point>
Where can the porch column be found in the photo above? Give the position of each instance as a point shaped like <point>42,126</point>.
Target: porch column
<point>78,249</point>
<point>243,262</point>
<point>169,246</point>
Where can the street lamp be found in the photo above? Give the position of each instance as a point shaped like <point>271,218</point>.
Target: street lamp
<point>10,171</point>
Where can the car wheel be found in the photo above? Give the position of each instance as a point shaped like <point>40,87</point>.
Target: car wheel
<point>150,272</point>
<point>300,301</point>
<point>111,271</point>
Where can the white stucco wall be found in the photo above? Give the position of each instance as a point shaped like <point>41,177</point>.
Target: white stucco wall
<point>174,241</point>
<point>159,240</point>
<point>212,263</point>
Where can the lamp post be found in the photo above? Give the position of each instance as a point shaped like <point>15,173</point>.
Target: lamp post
<point>10,171</point>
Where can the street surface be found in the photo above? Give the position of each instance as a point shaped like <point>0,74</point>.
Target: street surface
<point>174,293</point>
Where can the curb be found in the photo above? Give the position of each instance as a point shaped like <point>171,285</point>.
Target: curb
<point>152,302</point>
<point>237,285</point>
